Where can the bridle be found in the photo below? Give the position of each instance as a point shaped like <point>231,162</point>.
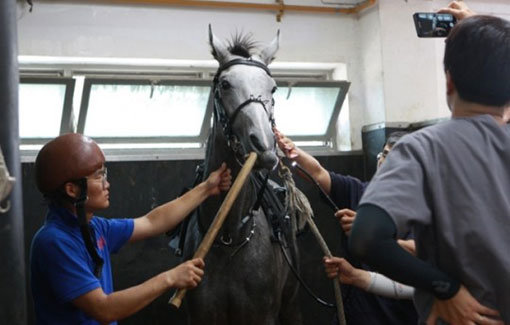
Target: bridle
<point>227,121</point>
<point>219,108</point>
<point>220,114</point>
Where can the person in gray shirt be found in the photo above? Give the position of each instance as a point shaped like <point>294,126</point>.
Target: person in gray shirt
<point>450,184</point>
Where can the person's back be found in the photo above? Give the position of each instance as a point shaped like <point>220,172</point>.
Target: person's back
<point>473,223</point>
<point>449,183</point>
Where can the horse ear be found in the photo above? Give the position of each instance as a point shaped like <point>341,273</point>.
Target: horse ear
<point>218,48</point>
<point>267,54</point>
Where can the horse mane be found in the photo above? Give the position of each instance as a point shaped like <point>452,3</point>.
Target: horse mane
<point>242,45</point>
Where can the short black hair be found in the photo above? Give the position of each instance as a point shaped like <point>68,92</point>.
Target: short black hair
<point>477,57</point>
<point>394,137</point>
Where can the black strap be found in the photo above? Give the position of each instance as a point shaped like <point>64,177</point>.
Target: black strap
<point>276,212</point>
<point>219,109</point>
<point>249,61</point>
<point>273,208</point>
<point>87,232</point>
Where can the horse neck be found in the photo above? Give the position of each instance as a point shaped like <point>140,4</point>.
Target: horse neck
<point>218,152</point>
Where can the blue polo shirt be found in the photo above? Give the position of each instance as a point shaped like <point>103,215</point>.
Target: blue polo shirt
<point>62,269</point>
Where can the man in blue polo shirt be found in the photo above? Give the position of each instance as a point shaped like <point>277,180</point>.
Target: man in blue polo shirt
<point>71,277</point>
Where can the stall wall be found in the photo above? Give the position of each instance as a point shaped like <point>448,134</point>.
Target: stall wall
<point>395,75</point>
<point>137,187</point>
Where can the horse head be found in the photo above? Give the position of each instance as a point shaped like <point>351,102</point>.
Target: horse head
<point>243,97</point>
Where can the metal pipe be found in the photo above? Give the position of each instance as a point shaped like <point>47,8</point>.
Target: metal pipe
<point>279,7</point>
<point>13,308</point>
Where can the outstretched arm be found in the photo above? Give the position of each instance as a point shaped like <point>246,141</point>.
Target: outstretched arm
<point>168,215</point>
<point>305,160</point>
<point>371,282</point>
<point>107,308</point>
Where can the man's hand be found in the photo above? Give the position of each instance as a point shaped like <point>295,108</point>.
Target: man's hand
<point>462,309</point>
<point>408,244</point>
<point>186,275</point>
<point>458,9</point>
<point>346,218</point>
<point>347,274</point>
<point>219,180</point>
<point>286,145</point>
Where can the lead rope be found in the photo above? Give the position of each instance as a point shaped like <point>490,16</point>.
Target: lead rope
<point>297,203</point>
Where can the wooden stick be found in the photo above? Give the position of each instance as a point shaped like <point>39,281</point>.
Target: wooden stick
<point>220,217</point>
<point>324,246</point>
<point>336,282</point>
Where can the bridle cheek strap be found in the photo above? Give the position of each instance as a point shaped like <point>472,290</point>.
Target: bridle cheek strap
<point>219,107</point>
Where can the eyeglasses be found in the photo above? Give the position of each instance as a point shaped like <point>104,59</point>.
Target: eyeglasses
<point>381,155</point>
<point>102,175</point>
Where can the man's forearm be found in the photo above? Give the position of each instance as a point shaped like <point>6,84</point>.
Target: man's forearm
<point>314,168</point>
<point>121,304</point>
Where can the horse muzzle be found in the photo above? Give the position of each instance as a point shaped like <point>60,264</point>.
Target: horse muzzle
<point>267,160</point>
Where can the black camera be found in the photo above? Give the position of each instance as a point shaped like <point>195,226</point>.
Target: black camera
<point>431,24</point>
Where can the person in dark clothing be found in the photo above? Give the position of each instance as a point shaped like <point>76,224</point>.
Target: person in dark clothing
<point>449,183</point>
<point>360,306</point>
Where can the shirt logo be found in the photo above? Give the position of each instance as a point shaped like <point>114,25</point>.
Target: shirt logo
<point>101,243</point>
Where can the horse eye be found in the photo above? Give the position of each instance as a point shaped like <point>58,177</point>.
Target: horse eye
<point>274,90</point>
<point>225,85</point>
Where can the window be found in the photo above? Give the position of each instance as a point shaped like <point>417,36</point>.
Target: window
<point>308,111</point>
<point>160,113</point>
<point>44,108</point>
<point>134,109</point>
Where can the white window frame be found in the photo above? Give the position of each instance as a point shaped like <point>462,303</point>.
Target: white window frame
<point>167,72</point>
<point>87,87</point>
<point>66,120</point>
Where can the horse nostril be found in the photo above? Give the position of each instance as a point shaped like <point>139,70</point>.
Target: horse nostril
<point>255,141</point>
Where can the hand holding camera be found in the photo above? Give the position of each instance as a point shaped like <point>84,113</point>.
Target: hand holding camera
<point>431,24</point>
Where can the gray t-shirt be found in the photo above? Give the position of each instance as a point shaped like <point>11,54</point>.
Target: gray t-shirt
<point>450,184</point>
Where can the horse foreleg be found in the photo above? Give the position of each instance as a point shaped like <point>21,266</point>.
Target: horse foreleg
<point>290,313</point>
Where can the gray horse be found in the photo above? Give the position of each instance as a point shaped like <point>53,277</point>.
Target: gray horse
<point>247,276</point>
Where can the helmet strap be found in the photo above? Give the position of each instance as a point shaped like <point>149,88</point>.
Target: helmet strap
<point>87,233</point>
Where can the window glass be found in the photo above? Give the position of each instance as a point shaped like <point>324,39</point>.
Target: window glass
<point>304,110</point>
<point>40,109</point>
<point>145,110</point>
